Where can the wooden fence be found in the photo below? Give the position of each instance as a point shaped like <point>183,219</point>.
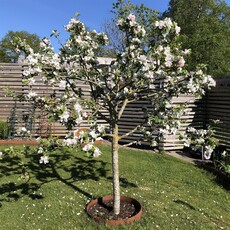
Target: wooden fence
<point>218,108</point>
<point>133,116</point>
<point>21,114</point>
<point>18,114</point>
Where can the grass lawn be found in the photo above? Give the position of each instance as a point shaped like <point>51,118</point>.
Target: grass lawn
<point>174,194</point>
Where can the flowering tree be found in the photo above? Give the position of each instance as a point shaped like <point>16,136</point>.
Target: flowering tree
<point>200,139</point>
<point>155,72</point>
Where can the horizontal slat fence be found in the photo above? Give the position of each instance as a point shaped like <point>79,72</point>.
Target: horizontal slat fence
<point>133,116</point>
<point>22,114</point>
<point>194,116</point>
<point>218,108</point>
<point>215,106</point>
<point>10,76</point>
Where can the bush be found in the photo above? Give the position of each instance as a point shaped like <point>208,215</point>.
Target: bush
<point>221,159</point>
<point>3,130</point>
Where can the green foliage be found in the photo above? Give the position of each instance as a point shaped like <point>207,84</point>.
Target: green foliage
<point>121,9</point>
<point>3,56</point>
<point>225,162</point>
<point>4,129</point>
<point>205,29</point>
<point>222,159</point>
<point>7,49</point>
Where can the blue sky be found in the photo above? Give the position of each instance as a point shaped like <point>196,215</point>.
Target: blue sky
<point>42,16</point>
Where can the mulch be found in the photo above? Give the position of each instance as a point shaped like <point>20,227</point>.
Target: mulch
<point>104,211</point>
<point>18,142</point>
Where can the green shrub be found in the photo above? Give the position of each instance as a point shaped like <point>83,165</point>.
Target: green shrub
<point>3,129</point>
<point>221,159</point>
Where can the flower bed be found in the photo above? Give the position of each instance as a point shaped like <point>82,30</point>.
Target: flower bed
<point>18,142</point>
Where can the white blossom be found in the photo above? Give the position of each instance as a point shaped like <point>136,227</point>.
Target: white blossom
<point>44,160</point>
<point>40,150</point>
<point>32,60</point>
<point>187,142</point>
<point>186,52</point>
<point>131,17</point>
<point>200,140</point>
<point>209,81</point>
<point>101,128</point>
<point>192,87</point>
<point>173,130</point>
<point>177,29</point>
<point>79,120</point>
<point>224,153</point>
<point>62,84</point>
<point>169,57</point>
<point>31,81</point>
<point>96,152</point>
<point>31,94</point>
<point>208,150</point>
<point>71,24</point>
<point>44,43</point>
<point>120,22</point>
<point>181,62</point>
<point>203,132</point>
<point>163,131</point>
<point>70,141</point>
<point>88,147</point>
<point>167,22</point>
<point>81,134</point>
<point>77,107</point>
<point>84,114</point>
<point>93,134</point>
<point>64,117</point>
<point>23,131</point>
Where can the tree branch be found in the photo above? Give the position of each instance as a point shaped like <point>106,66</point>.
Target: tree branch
<point>125,102</point>
<point>130,143</point>
<point>131,132</point>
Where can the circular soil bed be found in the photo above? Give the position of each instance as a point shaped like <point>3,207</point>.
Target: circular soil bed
<point>101,210</point>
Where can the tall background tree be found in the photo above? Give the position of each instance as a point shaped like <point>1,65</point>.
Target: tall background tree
<point>205,29</point>
<point>121,8</point>
<point>7,49</point>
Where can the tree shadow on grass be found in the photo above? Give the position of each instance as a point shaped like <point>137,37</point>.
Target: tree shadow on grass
<point>183,203</point>
<point>124,183</point>
<point>63,167</point>
<point>9,165</point>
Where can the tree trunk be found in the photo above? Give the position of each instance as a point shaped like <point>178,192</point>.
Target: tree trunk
<point>115,165</point>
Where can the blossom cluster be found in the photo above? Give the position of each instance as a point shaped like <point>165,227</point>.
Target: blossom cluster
<point>200,138</point>
<point>87,138</point>
<point>166,26</point>
<point>131,26</point>
<point>23,131</point>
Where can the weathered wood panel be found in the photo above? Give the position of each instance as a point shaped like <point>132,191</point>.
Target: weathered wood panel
<point>218,108</point>
<point>133,116</point>
<point>22,114</point>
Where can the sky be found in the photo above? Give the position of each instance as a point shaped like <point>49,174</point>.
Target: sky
<point>43,16</point>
